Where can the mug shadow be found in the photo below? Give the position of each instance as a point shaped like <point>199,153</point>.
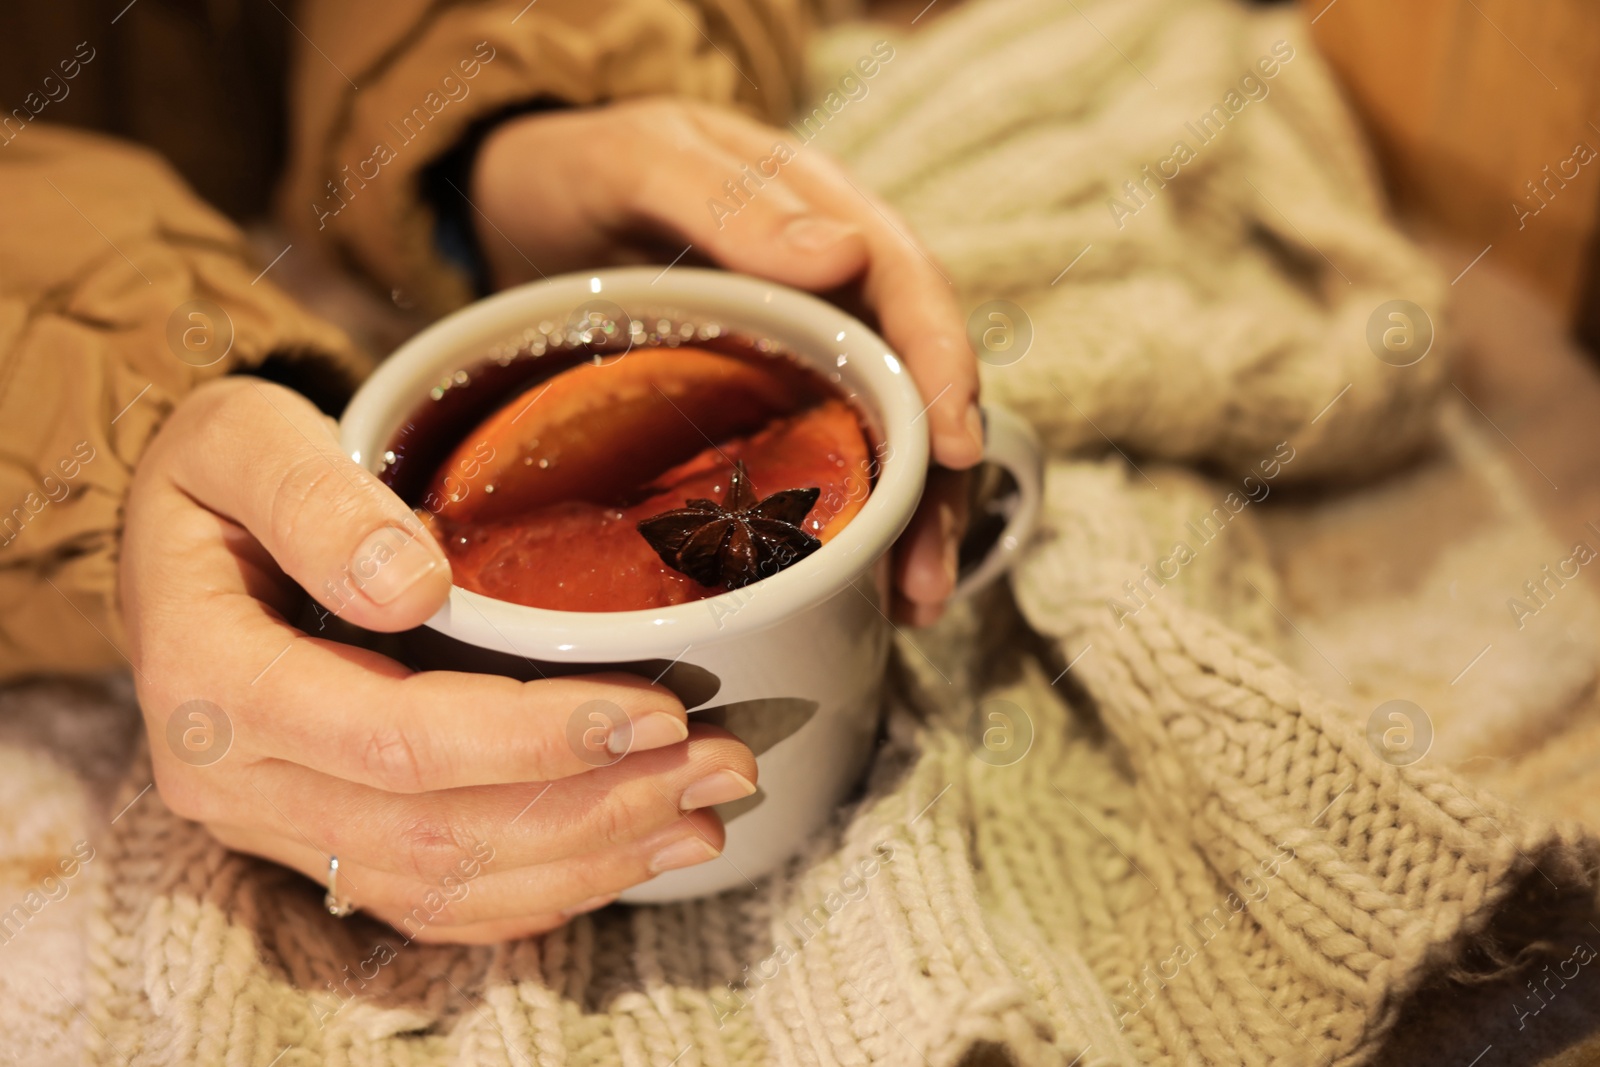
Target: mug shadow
<point>760,724</point>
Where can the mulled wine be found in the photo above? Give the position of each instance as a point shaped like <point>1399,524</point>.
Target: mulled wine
<point>613,464</point>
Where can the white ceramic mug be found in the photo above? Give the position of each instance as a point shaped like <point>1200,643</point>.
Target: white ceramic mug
<point>793,664</point>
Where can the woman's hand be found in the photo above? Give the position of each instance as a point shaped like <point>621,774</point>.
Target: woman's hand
<point>456,805</point>
<point>638,181</point>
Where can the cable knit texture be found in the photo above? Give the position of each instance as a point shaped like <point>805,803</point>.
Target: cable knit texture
<point>1197,857</point>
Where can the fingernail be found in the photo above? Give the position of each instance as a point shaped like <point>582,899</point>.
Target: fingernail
<point>685,853</point>
<point>813,233</point>
<point>391,561</point>
<point>592,904</point>
<point>719,787</point>
<point>964,447</point>
<point>655,730</point>
<point>975,426</point>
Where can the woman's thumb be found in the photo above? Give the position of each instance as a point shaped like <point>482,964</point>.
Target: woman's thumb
<point>271,465</point>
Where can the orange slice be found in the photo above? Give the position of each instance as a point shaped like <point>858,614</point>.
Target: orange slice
<point>594,432</point>
<point>582,556</point>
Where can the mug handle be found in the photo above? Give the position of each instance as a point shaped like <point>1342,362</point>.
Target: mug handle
<point>1010,442</point>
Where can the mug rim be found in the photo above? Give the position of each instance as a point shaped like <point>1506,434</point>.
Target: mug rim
<point>805,324</point>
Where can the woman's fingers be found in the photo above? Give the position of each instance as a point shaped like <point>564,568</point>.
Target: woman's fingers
<point>423,836</point>
<point>350,712</point>
<point>927,555</point>
<point>263,456</point>
<point>919,317</point>
<point>737,211</point>
<point>644,170</point>
<point>356,715</point>
<point>914,301</point>
<point>419,733</point>
<point>480,894</point>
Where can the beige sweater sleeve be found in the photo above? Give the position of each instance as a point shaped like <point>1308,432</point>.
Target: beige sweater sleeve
<point>382,89</point>
<point>113,283</point>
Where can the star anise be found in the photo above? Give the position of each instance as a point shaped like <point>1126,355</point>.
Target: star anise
<point>738,541</point>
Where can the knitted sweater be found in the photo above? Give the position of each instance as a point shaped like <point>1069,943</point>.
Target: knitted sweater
<point>1181,851</point>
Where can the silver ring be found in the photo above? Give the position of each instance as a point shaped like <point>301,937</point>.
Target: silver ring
<point>336,907</point>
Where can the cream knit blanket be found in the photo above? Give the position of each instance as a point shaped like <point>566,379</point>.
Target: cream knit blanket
<point>1181,852</point>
